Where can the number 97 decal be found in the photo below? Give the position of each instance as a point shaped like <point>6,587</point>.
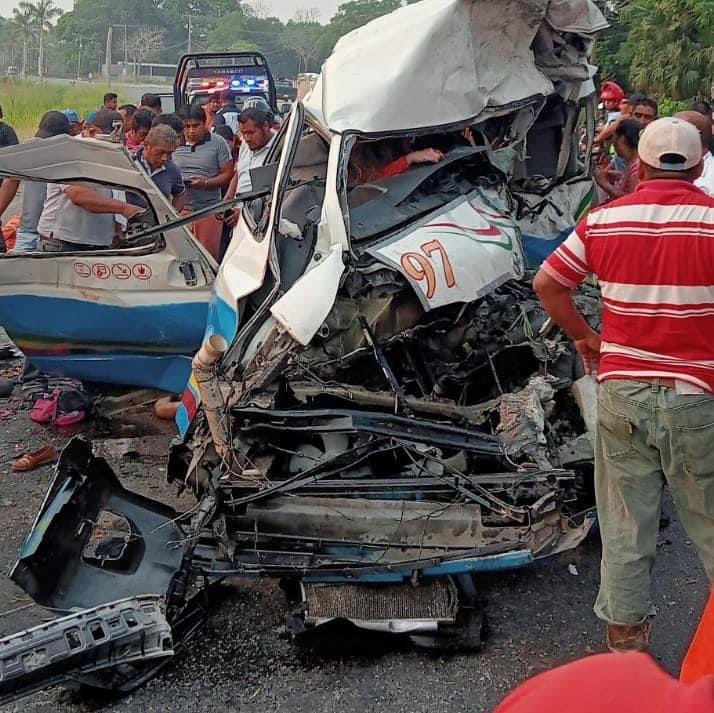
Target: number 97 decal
<point>420,266</point>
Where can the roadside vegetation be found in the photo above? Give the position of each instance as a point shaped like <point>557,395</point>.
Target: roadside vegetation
<point>24,101</point>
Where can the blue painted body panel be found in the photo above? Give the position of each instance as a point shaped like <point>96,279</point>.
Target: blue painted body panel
<point>222,319</point>
<point>169,373</point>
<point>160,327</point>
<point>144,345</point>
<point>492,563</point>
<point>538,249</point>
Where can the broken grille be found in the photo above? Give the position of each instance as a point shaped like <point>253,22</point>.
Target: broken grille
<point>435,600</point>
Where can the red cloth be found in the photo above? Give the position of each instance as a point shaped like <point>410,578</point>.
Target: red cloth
<point>208,232</point>
<point>610,683</point>
<point>393,169</point>
<point>9,232</point>
<point>131,145</point>
<point>699,660</point>
<point>653,254</point>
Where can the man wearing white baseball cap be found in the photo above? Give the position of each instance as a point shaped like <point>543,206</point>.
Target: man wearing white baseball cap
<point>653,253</point>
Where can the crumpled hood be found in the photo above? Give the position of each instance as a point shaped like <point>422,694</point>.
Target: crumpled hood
<point>440,62</point>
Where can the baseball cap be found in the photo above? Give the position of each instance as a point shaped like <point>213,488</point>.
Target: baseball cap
<point>72,116</point>
<point>52,123</point>
<point>670,145</point>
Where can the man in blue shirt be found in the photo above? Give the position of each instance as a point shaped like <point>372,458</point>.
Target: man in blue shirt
<point>155,159</point>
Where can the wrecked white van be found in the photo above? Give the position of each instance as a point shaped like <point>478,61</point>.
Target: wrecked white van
<point>381,409</point>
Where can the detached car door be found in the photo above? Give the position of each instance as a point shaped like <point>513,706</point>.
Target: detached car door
<point>132,315</point>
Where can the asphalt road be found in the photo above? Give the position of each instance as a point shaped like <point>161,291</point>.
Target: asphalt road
<point>538,617</point>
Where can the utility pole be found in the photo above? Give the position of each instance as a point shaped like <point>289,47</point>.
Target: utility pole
<point>108,57</point>
<point>79,58</point>
<point>188,48</point>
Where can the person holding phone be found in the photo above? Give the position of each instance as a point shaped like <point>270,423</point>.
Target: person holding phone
<point>206,166</point>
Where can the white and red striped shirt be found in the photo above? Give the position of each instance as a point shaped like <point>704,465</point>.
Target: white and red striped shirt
<point>653,254</point>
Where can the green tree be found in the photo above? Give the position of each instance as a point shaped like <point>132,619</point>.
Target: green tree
<point>611,52</point>
<point>24,26</point>
<point>43,12</point>
<point>671,45</point>
<point>9,48</point>
<point>229,34</point>
<point>90,20</point>
<point>205,17</point>
<point>266,33</point>
<point>302,36</point>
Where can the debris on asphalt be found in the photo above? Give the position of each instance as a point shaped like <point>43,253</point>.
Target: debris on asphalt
<point>34,459</point>
<point>7,386</point>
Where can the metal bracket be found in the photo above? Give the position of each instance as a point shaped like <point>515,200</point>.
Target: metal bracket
<point>93,640</point>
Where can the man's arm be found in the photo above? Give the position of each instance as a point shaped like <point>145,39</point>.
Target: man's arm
<point>179,202</point>
<point>94,202</point>
<point>558,302</point>
<point>232,186</point>
<point>8,191</point>
<point>223,179</point>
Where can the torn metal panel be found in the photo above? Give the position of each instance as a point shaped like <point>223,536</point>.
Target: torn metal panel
<point>131,315</point>
<point>468,57</point>
<point>522,420</point>
<point>479,251</point>
<point>69,560</point>
<point>546,218</point>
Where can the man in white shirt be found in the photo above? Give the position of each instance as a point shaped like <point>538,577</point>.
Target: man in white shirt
<point>257,138</point>
<point>80,218</point>
<point>704,127</point>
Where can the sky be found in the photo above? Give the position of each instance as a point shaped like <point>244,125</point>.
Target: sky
<point>284,9</point>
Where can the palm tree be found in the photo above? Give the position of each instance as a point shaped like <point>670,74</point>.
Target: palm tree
<point>43,12</point>
<point>23,21</point>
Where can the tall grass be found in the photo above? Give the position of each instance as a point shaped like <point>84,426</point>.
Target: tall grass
<point>24,101</point>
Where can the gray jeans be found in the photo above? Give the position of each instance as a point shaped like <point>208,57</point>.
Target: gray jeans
<point>52,245</point>
<point>649,435</point>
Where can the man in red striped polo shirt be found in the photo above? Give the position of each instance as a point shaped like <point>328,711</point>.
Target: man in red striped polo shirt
<point>653,253</point>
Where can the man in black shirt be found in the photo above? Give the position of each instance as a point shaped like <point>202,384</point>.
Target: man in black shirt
<point>8,137</point>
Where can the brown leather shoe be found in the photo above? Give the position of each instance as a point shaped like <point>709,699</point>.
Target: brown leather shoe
<point>629,637</point>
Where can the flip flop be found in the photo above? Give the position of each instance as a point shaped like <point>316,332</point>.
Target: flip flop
<point>30,461</point>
